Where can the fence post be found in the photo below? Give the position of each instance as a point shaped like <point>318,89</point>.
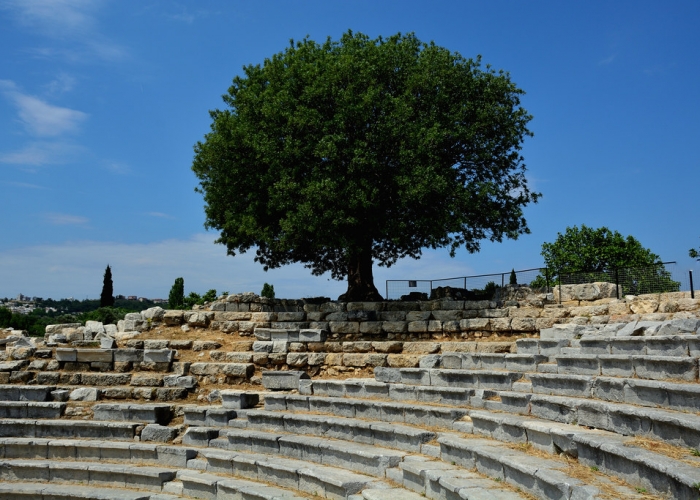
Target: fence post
<point>386,285</point>
<point>431,289</point>
<point>465,282</point>
<point>503,283</point>
<point>617,285</point>
<point>559,280</point>
<point>692,291</point>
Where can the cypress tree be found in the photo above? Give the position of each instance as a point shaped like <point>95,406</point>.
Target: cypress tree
<point>176,299</point>
<point>107,295</point>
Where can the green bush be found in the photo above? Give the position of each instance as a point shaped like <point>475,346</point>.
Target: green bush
<point>268,291</point>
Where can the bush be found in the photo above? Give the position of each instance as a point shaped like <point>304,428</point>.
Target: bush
<point>268,291</point>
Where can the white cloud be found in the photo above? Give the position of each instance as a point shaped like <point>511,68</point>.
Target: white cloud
<point>39,117</point>
<point>24,185</point>
<point>117,167</point>
<point>149,269</point>
<point>71,23</point>
<point>42,153</point>
<point>66,219</point>
<point>61,84</point>
<point>607,60</point>
<point>160,215</point>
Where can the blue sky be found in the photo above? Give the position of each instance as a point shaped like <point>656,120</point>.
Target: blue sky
<point>101,103</point>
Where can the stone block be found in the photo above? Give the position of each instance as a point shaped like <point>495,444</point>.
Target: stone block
<point>94,355</point>
<point>157,355</point>
<point>282,380</point>
<point>344,327</point>
<point>394,326</point>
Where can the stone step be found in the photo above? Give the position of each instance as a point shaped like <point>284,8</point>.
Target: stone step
<point>92,473</point>
<point>495,361</point>
<point>541,346</point>
<point>393,412</point>
<point>357,457</point>
<point>320,480</point>
<point>38,491</point>
<point>203,485</point>
<point>671,395</point>
<point>210,416</point>
<point>130,412</point>
<point>481,379</point>
<point>383,434</point>
<point>675,345</point>
<point>648,367</point>
<point>540,477</point>
<point>438,480</point>
<point>94,449</point>
<point>10,392</point>
<point>68,429</point>
<point>31,409</point>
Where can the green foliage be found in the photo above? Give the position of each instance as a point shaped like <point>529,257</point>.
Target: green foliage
<point>268,291</point>
<point>5,317</point>
<point>210,296</point>
<point>176,298</point>
<point>539,282</point>
<point>694,254</point>
<point>105,315</point>
<point>340,154</point>
<point>513,280</point>
<point>192,300</point>
<point>490,289</point>
<point>107,295</point>
<point>588,255</point>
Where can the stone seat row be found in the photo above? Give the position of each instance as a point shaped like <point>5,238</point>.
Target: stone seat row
<point>42,491</point>
<point>611,365</point>
<point>369,460</point>
<point>673,345</point>
<point>173,390</point>
<point>544,477</point>
<point>407,404</point>
<point>618,454</point>
<point>203,473</point>
<point>672,395</point>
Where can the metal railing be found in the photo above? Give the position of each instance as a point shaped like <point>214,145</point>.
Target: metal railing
<point>659,278</point>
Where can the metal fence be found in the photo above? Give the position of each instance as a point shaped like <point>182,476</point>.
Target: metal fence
<point>659,278</point>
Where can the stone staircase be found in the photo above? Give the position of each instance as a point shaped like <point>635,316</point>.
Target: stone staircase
<point>582,412</point>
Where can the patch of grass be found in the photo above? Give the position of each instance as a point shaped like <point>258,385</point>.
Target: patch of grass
<point>594,468</point>
<point>497,479</point>
<point>695,452</point>
<point>641,490</point>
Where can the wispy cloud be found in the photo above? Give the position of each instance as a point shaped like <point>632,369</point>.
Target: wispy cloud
<point>70,23</point>
<point>43,153</point>
<point>61,84</point>
<point>607,60</point>
<point>160,215</point>
<point>24,185</point>
<point>187,16</point>
<point>38,116</point>
<point>66,219</point>
<point>117,167</point>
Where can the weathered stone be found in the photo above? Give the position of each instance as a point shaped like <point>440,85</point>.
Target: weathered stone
<point>84,394</point>
<point>173,317</point>
<point>344,327</point>
<point>282,380</point>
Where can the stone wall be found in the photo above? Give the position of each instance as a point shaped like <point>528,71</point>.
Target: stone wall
<point>522,312</point>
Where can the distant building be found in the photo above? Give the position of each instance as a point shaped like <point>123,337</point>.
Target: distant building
<point>132,297</point>
<point>120,297</point>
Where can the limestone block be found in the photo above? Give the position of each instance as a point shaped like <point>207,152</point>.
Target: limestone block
<point>477,304</point>
<point>282,380</point>
<point>297,359</point>
<point>313,335</point>
<point>447,315</point>
<point>330,307</point>
<point>316,358</point>
<point>644,306</point>
<point>371,327</point>
<point>393,316</point>
<point>94,355</point>
<point>153,313</point>
<point>403,360</point>
<point>249,326</point>
<point>239,400</point>
<point>394,326</point>
<point>334,359</point>
<point>344,327</point>
<point>434,326</point>
<point>522,324</point>
<point>173,317</point>
<point>493,313</point>
<point>475,324</point>
<point>501,324</point>
<point>523,312</point>
<point>157,355</point>
<point>146,379</point>
<point>232,316</point>
<point>94,327</point>
<point>421,347</point>
<point>62,327</point>
<point>279,346</point>
<point>186,381</point>
<point>261,317</point>
<point>417,326</point>
<point>388,346</point>
<point>84,394</point>
<point>198,319</point>
<point>65,354</point>
<point>337,316</point>
<point>365,306</point>
<point>158,433</point>
<point>418,316</point>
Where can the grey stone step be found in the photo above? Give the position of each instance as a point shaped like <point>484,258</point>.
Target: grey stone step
<point>491,361</point>
<point>671,395</point>
<point>9,392</point>
<point>210,416</point>
<point>394,412</point>
<point>382,434</point>
<point>288,473</point>
<point>641,366</point>
<point>92,473</point>
<point>481,379</point>
<point>83,449</point>
<point>230,370</point>
<point>130,412</point>
<point>543,478</point>
<point>40,491</point>
<point>210,486</point>
<point>31,409</point>
<point>675,345</point>
<point>439,480</point>
<point>638,466</point>
<point>357,457</point>
<point>544,347</point>
<point>68,429</point>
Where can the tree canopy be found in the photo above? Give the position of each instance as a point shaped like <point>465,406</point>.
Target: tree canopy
<point>586,254</point>
<point>340,154</point>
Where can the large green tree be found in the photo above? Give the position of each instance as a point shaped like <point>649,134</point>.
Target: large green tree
<point>340,154</point>
<point>586,254</point>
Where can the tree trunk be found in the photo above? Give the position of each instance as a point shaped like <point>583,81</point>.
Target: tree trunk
<point>360,279</point>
